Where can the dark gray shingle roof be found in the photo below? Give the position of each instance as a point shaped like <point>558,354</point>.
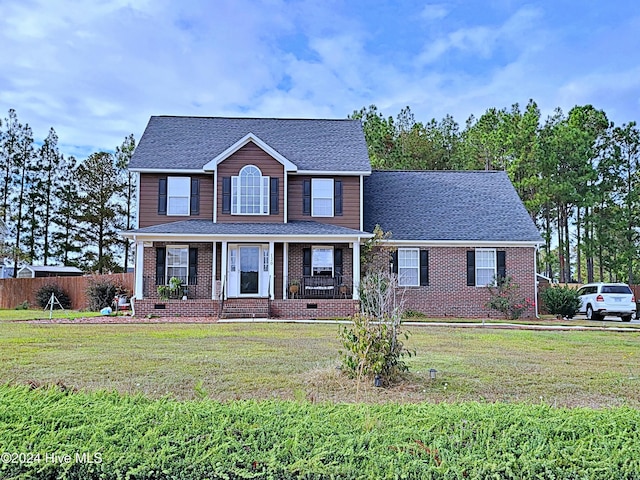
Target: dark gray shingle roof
<point>207,227</point>
<point>447,205</point>
<point>191,142</point>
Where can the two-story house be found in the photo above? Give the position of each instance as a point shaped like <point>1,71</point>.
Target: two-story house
<point>255,216</point>
<point>265,217</point>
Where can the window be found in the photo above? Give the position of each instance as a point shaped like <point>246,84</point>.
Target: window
<point>265,260</point>
<point>322,197</point>
<point>232,259</point>
<point>178,189</point>
<point>485,267</point>
<point>250,192</point>
<point>408,267</point>
<point>178,263</point>
<point>322,261</point>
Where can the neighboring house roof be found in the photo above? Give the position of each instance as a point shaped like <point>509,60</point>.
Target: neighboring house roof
<point>189,143</point>
<point>474,206</point>
<point>208,228</point>
<point>30,271</point>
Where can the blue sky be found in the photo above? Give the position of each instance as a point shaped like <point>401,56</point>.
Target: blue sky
<point>97,70</point>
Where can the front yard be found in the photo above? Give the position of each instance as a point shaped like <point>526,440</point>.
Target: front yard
<point>297,361</point>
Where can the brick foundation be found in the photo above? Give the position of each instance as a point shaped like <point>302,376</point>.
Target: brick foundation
<point>176,308</point>
<point>306,309</point>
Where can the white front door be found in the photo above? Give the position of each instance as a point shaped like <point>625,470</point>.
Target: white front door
<point>248,271</point>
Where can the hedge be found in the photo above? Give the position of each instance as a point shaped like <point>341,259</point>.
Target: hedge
<point>80,435</point>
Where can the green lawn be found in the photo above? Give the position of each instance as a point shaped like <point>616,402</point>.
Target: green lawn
<point>229,361</point>
<point>31,314</point>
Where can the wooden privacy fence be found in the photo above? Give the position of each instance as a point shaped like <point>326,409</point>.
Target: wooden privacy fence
<point>14,291</point>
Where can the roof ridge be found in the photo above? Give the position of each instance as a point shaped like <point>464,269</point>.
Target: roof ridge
<point>205,117</point>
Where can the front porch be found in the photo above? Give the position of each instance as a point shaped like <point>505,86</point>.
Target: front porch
<point>233,279</point>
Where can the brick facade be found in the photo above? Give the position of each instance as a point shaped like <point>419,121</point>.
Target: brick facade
<point>448,295</point>
<point>201,291</point>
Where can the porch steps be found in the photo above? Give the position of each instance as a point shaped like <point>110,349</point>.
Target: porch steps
<point>245,308</point>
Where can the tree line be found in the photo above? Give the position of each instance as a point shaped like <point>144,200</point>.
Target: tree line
<point>577,174</point>
<point>57,210</point>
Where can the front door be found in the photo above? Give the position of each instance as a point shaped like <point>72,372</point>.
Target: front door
<point>248,271</point>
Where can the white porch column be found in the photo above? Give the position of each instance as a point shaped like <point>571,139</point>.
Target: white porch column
<point>285,269</point>
<point>356,270</point>
<point>213,272</point>
<point>139,279</point>
<point>223,269</point>
<point>272,276</point>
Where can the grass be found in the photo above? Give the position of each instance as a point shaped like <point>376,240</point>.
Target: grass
<point>285,361</point>
<point>33,314</point>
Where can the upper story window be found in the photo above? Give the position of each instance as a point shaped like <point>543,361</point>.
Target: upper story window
<point>178,192</point>
<point>322,197</point>
<point>250,192</point>
<point>178,196</point>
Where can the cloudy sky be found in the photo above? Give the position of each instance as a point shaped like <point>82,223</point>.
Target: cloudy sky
<point>95,70</point>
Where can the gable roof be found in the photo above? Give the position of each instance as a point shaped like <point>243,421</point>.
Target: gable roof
<point>451,206</point>
<point>189,143</point>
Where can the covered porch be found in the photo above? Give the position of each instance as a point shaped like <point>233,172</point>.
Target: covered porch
<point>313,268</point>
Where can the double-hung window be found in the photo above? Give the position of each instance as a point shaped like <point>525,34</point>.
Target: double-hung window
<point>250,192</point>
<point>178,263</point>
<point>178,191</point>
<point>486,267</point>
<point>408,267</point>
<point>322,197</point>
<point>322,261</point>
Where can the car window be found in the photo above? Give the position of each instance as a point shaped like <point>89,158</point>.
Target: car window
<point>616,289</point>
<point>582,291</point>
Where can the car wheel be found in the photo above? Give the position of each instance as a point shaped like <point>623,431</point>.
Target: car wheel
<point>591,315</point>
<point>626,318</point>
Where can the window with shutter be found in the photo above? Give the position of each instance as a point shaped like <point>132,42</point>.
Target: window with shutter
<point>408,267</point>
<point>178,193</point>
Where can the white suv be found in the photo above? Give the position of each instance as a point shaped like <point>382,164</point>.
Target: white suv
<point>601,299</point>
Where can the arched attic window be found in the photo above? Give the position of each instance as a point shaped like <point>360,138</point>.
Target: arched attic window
<point>250,192</point>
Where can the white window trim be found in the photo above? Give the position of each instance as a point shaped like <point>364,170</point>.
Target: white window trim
<point>171,180</point>
<point>265,187</point>
<point>313,196</point>
<point>495,266</point>
<point>417,268</point>
<point>167,266</point>
<point>333,266</point>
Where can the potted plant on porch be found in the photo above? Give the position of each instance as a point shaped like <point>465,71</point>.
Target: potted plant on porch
<point>294,288</point>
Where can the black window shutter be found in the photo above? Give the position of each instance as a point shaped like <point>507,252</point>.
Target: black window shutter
<point>424,268</point>
<point>226,194</point>
<point>162,196</point>
<point>195,196</point>
<point>394,262</point>
<point>193,266</point>
<point>161,259</point>
<point>306,262</point>
<point>337,263</point>
<point>471,268</point>
<point>337,197</point>
<point>273,196</point>
<point>501,260</point>
<point>306,196</point>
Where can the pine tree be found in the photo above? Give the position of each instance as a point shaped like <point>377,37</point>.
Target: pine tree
<point>101,212</point>
<point>128,180</point>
